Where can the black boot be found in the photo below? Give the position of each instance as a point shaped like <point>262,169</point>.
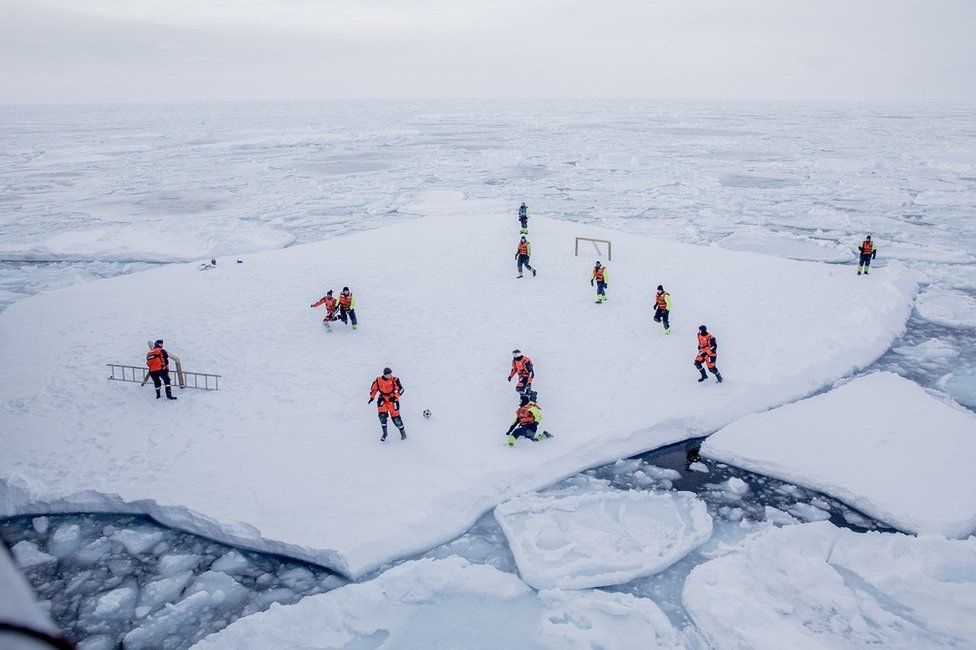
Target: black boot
<point>169,393</point>
<point>718,376</point>
<point>158,394</point>
<point>383,437</point>
<point>403,434</point>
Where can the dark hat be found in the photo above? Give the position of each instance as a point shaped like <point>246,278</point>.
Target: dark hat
<point>387,371</point>
<point>660,287</point>
<point>702,329</point>
<point>158,343</point>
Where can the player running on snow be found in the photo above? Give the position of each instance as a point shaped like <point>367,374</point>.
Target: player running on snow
<point>662,307</point>
<point>707,353</point>
<point>524,218</point>
<point>522,366</point>
<point>347,307</point>
<point>600,277</point>
<point>157,360</point>
<point>868,253</point>
<point>526,422</point>
<point>331,307</point>
<point>522,254</point>
<point>389,389</point>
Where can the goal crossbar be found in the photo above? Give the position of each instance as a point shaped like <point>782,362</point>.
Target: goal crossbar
<point>595,242</point>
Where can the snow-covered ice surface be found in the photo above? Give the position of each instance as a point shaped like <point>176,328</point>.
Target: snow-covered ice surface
<point>452,603</point>
<point>861,443</point>
<point>818,586</point>
<point>948,308</point>
<point>600,537</point>
<point>292,407</point>
<point>111,579</point>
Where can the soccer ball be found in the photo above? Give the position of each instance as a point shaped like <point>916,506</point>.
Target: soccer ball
<point>426,413</point>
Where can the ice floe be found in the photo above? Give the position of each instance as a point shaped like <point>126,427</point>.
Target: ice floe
<point>290,431</point>
<point>879,443</point>
<point>947,307</point>
<point>819,586</point>
<point>601,537</point>
<point>452,603</point>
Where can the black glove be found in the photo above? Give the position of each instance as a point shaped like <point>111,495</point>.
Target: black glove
<point>591,283</point>
<point>370,400</point>
<point>605,285</point>
<point>509,379</point>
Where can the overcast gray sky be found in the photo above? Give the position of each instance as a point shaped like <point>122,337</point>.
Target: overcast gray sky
<point>173,50</point>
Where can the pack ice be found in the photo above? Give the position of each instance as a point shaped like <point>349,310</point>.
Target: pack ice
<point>862,444</point>
<point>818,586</point>
<point>451,603</point>
<point>286,457</point>
<point>601,537</point>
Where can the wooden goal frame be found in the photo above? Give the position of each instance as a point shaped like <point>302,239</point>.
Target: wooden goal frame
<point>595,242</point>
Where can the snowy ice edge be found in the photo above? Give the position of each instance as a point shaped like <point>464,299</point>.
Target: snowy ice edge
<point>16,501</point>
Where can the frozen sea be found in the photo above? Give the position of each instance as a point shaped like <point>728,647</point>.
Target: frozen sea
<point>95,191</point>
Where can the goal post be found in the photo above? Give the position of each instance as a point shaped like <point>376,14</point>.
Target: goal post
<point>596,245</point>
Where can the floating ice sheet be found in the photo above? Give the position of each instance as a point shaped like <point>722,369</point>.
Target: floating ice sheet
<point>451,603</point>
<point>600,538</point>
<point>948,308</point>
<point>290,432</point>
<point>879,443</point>
<point>819,586</point>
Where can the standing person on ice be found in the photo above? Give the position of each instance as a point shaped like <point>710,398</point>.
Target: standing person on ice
<point>157,360</point>
<point>522,366</point>
<point>347,307</point>
<point>662,305</point>
<point>600,277</point>
<point>389,389</point>
<point>868,253</point>
<point>526,423</point>
<point>707,353</point>
<point>522,254</point>
<point>524,218</point>
<point>331,306</point>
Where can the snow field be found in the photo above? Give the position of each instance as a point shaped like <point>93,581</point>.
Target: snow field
<point>452,603</point>
<point>285,457</point>
<point>819,586</point>
<point>600,538</point>
<point>864,443</point>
